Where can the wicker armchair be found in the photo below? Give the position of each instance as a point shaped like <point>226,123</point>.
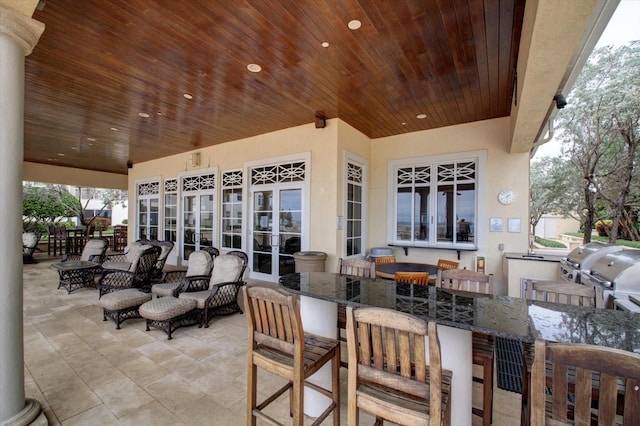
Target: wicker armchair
<point>200,264</point>
<point>165,248</point>
<point>29,246</point>
<point>217,295</point>
<point>94,251</point>
<point>141,265</point>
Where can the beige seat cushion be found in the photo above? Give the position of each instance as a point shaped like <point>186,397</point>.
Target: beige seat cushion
<point>133,255</point>
<point>29,239</point>
<point>166,308</point>
<point>93,247</point>
<point>164,289</point>
<point>226,268</point>
<point>200,263</point>
<point>120,266</point>
<point>200,297</point>
<point>123,299</point>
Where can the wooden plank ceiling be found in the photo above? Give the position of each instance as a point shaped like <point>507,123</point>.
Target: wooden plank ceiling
<point>100,64</point>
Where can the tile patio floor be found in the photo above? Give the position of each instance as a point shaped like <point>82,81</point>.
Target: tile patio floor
<point>85,372</point>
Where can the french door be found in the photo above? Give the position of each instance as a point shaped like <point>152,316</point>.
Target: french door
<point>197,213</point>
<point>197,223</point>
<point>277,224</point>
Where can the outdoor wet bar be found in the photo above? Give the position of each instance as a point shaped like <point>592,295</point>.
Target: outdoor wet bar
<point>458,314</point>
<point>500,316</point>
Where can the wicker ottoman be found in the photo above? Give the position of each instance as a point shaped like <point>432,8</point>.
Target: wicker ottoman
<point>123,304</point>
<point>168,313</point>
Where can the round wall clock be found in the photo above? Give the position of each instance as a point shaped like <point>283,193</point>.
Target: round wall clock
<point>506,196</point>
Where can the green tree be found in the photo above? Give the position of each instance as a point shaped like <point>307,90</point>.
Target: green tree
<point>601,137</point>
<point>41,207</point>
<point>549,192</point>
<point>108,197</point>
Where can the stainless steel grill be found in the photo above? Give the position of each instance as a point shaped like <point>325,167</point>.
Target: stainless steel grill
<point>618,274</point>
<point>582,258</point>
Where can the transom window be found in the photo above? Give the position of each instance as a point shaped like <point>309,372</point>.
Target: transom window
<point>435,202</point>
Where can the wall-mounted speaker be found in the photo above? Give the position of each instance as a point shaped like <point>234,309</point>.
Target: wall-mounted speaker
<point>195,159</point>
<point>321,120</point>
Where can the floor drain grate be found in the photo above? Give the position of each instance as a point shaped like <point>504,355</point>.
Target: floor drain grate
<point>509,364</point>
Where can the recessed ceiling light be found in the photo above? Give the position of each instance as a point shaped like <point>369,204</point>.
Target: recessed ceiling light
<point>115,129</point>
<point>404,123</point>
<point>254,67</point>
<point>421,116</point>
<point>143,114</point>
<point>61,154</point>
<point>354,25</point>
<point>91,139</point>
<point>325,44</point>
<point>74,148</point>
<point>90,144</point>
<point>158,113</point>
<point>188,96</point>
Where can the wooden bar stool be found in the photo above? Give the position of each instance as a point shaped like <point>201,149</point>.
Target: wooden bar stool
<point>356,267</point>
<point>589,385</point>
<point>482,345</point>
<point>565,293</point>
<point>556,292</point>
<point>388,373</point>
<point>278,344</point>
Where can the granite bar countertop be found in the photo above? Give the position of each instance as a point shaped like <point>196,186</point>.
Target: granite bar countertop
<point>502,316</point>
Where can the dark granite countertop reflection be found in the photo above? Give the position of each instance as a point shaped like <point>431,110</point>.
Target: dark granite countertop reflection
<point>502,316</point>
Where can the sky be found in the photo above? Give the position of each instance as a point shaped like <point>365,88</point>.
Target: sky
<point>623,27</point>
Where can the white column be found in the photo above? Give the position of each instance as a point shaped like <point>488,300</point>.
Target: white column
<point>319,317</point>
<point>18,36</point>
<point>456,350</point>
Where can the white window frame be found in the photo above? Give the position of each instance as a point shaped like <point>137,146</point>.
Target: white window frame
<point>352,158</point>
<point>171,191</point>
<point>159,196</point>
<point>235,186</point>
<point>480,158</point>
<point>216,207</point>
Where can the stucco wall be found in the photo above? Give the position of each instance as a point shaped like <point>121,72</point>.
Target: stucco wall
<point>504,170</point>
<point>328,148</point>
<point>321,143</point>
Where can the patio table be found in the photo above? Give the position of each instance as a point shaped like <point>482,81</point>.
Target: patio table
<point>76,274</point>
<point>388,270</point>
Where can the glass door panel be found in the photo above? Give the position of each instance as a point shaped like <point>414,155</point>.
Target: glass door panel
<point>197,223</point>
<point>154,214</point>
<point>274,244</point>
<point>262,232</point>
<point>170,217</point>
<point>189,226</point>
<point>205,238</point>
<point>290,230</point>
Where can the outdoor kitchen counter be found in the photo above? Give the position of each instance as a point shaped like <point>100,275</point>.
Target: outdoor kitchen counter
<point>521,266</point>
<point>534,257</point>
<point>509,317</point>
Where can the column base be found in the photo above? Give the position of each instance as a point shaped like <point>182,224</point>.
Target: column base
<point>31,414</point>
